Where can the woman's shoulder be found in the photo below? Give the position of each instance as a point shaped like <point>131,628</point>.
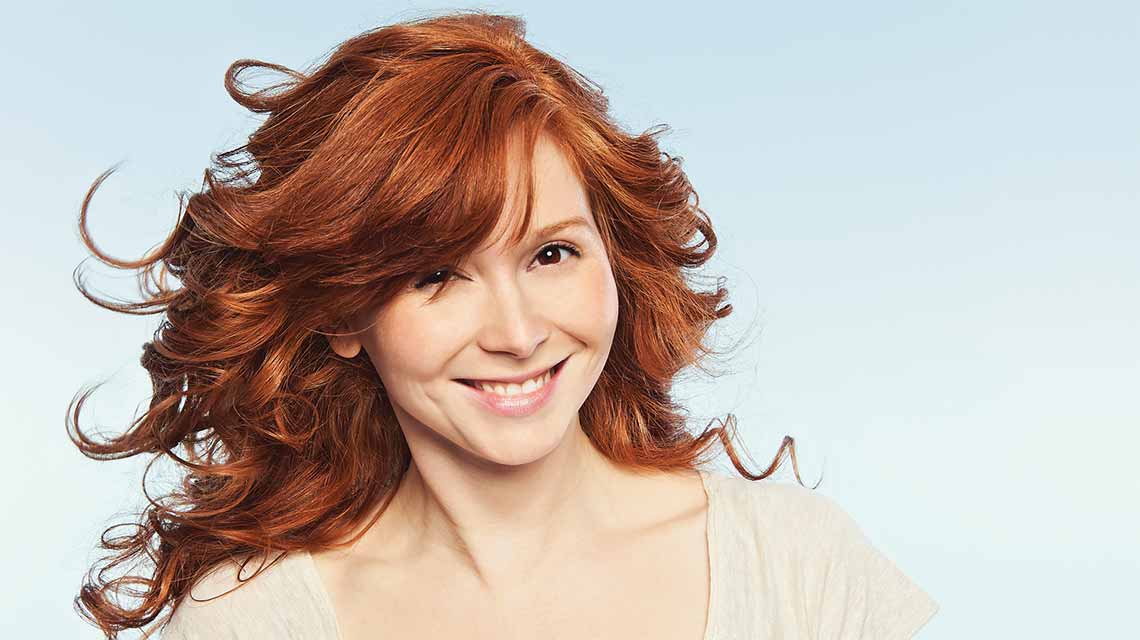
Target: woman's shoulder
<point>808,539</point>
<point>783,511</point>
<point>235,600</point>
<point>777,504</point>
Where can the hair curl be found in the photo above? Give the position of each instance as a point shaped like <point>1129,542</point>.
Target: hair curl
<point>388,159</point>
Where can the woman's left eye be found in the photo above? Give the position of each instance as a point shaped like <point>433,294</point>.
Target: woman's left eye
<point>552,250</point>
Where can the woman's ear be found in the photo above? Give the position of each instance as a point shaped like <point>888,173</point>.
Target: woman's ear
<point>344,343</point>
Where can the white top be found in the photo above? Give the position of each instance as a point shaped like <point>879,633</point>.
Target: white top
<point>785,562</point>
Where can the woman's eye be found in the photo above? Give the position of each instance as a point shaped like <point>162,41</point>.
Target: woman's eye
<point>552,250</point>
<point>435,278</point>
<point>547,256</point>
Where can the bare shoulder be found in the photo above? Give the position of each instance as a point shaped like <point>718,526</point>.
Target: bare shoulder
<point>671,497</point>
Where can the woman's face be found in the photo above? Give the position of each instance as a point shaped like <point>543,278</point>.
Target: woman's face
<point>508,312</point>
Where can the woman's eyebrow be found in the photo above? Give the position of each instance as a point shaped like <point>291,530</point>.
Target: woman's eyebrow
<point>555,227</point>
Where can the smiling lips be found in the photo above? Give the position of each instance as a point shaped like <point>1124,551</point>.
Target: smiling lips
<point>513,388</point>
<point>516,398</point>
<point>534,376</point>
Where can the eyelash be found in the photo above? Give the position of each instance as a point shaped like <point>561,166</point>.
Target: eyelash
<point>553,245</point>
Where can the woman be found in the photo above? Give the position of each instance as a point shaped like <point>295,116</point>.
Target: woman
<point>418,374</point>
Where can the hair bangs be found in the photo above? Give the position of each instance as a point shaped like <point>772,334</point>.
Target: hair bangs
<point>477,210</point>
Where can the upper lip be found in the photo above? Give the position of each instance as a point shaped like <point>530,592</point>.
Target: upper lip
<point>515,379</point>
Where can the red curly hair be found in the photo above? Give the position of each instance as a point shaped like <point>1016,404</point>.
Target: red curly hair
<point>387,160</point>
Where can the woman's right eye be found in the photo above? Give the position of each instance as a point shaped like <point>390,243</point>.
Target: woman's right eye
<point>434,278</point>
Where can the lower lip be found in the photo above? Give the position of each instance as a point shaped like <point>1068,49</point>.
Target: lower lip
<point>522,404</point>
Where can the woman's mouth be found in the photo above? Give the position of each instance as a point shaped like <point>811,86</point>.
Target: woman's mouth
<point>516,399</point>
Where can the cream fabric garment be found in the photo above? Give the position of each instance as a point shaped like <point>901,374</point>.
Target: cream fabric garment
<point>786,563</point>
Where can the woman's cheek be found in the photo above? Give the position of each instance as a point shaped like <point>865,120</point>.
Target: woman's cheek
<point>603,295</point>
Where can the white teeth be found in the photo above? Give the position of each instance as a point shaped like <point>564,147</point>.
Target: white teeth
<point>515,389</point>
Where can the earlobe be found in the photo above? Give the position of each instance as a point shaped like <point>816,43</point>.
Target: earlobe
<point>345,346</point>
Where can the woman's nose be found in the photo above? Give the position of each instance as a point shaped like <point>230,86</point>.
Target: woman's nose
<point>512,322</point>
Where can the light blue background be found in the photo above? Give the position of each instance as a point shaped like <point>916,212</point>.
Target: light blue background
<point>927,214</point>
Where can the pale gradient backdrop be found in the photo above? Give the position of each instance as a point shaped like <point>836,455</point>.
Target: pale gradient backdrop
<point>927,215</point>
